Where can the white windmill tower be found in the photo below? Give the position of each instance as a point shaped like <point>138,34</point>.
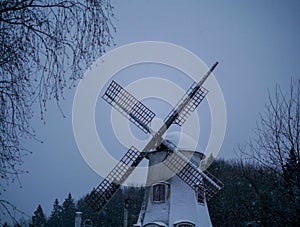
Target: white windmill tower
<point>168,200</point>
<point>179,201</point>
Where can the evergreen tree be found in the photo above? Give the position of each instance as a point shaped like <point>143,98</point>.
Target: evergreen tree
<point>292,171</point>
<point>56,215</point>
<point>88,213</point>
<point>292,183</point>
<point>68,212</point>
<point>39,218</point>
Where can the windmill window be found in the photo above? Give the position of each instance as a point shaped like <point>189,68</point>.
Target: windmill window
<point>184,224</point>
<point>159,192</point>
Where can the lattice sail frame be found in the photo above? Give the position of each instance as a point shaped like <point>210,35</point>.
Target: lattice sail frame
<point>191,175</point>
<point>100,196</point>
<point>194,100</point>
<point>129,106</point>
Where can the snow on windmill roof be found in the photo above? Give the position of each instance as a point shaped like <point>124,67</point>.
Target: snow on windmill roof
<point>183,141</point>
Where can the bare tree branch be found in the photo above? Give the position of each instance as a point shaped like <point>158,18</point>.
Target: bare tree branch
<point>45,46</point>
<point>276,148</point>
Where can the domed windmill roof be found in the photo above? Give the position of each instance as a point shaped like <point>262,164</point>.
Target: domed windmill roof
<point>184,143</point>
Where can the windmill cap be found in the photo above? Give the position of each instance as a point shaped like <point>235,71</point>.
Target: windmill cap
<point>183,142</point>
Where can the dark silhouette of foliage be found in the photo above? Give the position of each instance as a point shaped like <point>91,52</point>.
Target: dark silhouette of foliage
<point>247,199</point>
<point>39,218</point>
<point>68,212</point>
<point>238,203</point>
<point>55,218</point>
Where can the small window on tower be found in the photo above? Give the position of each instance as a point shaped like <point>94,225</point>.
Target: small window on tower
<point>159,192</point>
<point>184,224</point>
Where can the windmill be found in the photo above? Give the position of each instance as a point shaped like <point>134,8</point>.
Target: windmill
<point>174,159</point>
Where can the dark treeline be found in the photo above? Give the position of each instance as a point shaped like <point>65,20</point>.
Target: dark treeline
<point>63,215</point>
<point>249,198</point>
<point>239,203</point>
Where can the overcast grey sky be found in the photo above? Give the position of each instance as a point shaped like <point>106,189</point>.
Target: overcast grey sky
<point>256,43</point>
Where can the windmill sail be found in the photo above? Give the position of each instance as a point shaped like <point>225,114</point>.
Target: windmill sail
<point>188,103</point>
<point>129,106</point>
<point>194,96</point>
<point>191,175</point>
<point>100,196</point>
